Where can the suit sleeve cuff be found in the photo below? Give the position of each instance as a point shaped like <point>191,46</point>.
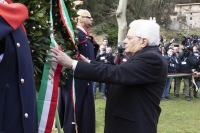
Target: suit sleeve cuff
<point>74,64</point>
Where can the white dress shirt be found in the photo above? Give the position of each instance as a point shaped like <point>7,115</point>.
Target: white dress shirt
<point>1,57</point>
<point>74,63</point>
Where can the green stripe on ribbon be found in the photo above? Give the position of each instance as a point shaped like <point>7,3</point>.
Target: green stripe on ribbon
<point>66,20</point>
<point>42,93</point>
<point>44,83</point>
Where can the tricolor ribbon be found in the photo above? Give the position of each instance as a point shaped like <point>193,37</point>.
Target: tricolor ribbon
<point>48,94</point>
<point>194,83</point>
<point>74,104</point>
<point>67,22</point>
<point>179,75</point>
<point>193,74</point>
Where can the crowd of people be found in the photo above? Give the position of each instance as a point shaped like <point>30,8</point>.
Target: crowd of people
<point>105,55</point>
<point>182,58</point>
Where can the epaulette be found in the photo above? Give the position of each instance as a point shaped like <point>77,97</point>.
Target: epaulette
<point>14,14</point>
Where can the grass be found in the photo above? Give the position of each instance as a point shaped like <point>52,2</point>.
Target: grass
<point>100,113</point>
<point>177,116</point>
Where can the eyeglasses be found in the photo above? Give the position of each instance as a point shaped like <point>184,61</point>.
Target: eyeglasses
<point>129,37</point>
<point>86,17</point>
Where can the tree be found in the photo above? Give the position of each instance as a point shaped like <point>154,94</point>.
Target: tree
<point>121,20</point>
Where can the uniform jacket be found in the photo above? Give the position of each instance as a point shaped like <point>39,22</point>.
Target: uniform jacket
<point>85,111</point>
<point>87,45</point>
<point>134,96</point>
<point>18,110</point>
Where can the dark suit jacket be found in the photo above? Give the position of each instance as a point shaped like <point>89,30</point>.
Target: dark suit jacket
<point>134,96</point>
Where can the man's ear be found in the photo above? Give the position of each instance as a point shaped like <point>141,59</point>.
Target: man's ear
<point>144,42</point>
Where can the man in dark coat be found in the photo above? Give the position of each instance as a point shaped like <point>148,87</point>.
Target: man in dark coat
<point>188,62</point>
<point>137,85</point>
<point>18,110</point>
<point>85,110</point>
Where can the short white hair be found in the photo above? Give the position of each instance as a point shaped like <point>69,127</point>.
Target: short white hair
<point>147,29</point>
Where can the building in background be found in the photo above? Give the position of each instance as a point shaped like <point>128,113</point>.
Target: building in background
<point>185,16</point>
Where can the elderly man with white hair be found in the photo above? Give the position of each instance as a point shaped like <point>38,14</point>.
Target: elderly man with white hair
<point>137,85</point>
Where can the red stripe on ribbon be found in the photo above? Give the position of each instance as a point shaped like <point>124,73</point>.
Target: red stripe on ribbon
<point>54,98</point>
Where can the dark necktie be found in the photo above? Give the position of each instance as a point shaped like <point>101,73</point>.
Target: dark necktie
<point>2,46</point>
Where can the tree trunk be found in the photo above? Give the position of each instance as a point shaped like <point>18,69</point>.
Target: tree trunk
<point>121,20</point>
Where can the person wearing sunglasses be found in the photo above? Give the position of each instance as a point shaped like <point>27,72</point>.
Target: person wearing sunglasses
<point>84,106</point>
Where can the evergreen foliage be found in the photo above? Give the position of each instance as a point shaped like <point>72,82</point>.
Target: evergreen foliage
<point>111,29</point>
<point>38,32</point>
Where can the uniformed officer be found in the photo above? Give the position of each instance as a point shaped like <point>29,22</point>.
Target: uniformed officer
<point>18,110</point>
<point>84,106</point>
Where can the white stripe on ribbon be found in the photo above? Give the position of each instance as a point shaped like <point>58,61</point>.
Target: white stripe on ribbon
<point>47,100</point>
